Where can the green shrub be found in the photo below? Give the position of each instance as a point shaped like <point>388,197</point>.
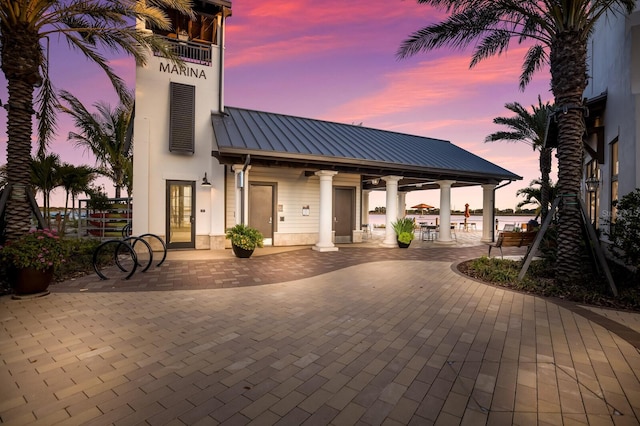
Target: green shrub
<point>626,231</point>
<point>404,225</point>
<point>405,237</point>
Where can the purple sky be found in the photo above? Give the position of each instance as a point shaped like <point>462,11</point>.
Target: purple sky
<point>335,60</point>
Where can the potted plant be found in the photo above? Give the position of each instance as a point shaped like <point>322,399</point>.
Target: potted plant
<point>404,231</point>
<point>244,240</point>
<point>31,260</point>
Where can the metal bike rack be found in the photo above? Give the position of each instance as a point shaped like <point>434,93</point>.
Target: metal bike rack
<point>128,243</point>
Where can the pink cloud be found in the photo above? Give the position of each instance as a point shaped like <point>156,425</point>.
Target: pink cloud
<point>431,82</point>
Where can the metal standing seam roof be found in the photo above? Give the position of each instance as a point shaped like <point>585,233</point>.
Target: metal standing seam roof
<point>285,138</point>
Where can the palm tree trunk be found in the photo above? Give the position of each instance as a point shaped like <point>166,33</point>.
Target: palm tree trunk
<point>20,61</point>
<point>568,81</point>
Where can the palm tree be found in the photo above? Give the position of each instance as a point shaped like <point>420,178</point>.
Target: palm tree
<point>104,134</point>
<point>533,195</point>
<point>530,128</point>
<point>559,32</point>
<point>45,178</point>
<point>26,26</point>
<point>75,180</point>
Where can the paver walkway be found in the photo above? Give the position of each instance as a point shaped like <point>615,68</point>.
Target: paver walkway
<point>359,336</point>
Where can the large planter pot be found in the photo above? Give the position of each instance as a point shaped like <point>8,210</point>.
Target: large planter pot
<point>240,252</point>
<point>31,281</point>
<point>403,245</point>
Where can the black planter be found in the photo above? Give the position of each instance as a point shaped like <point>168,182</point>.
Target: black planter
<point>240,252</point>
<point>404,245</point>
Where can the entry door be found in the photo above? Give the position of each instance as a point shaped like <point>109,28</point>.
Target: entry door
<point>261,211</point>
<point>181,226</point>
<point>343,214</point>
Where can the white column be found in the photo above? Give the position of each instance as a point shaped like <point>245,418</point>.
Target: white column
<point>364,219</point>
<point>488,193</point>
<point>402,204</point>
<point>241,194</point>
<point>326,211</point>
<point>390,239</point>
<point>444,234</point>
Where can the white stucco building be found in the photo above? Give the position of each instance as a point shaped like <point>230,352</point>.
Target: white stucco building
<point>613,96</point>
<point>200,167</point>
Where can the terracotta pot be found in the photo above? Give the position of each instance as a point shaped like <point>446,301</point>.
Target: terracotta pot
<point>28,281</point>
<point>240,252</point>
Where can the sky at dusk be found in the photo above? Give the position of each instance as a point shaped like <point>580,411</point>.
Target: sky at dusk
<point>335,60</point>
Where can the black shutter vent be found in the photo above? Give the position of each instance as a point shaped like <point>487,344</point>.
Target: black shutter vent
<point>182,118</point>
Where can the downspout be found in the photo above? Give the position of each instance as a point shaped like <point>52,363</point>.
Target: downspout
<point>493,210</point>
<point>221,61</point>
<point>244,169</point>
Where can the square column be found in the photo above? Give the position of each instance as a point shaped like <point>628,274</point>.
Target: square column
<point>390,239</point>
<point>444,235</point>
<point>326,211</point>
<point>241,195</point>
<point>402,204</point>
<point>364,217</point>
<point>488,194</point>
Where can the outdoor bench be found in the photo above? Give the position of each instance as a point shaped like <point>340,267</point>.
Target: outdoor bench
<point>513,239</point>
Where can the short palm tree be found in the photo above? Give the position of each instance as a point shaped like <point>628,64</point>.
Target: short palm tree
<point>26,26</point>
<point>45,178</point>
<point>104,134</point>
<point>75,180</point>
<point>558,32</point>
<point>529,127</point>
<point>533,194</point>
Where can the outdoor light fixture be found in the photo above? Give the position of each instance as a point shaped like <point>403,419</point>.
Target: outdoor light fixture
<point>375,181</point>
<point>205,181</point>
<point>592,183</point>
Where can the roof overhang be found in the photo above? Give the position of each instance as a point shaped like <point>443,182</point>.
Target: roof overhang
<point>275,140</point>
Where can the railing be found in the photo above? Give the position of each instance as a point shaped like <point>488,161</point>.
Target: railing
<point>196,53</point>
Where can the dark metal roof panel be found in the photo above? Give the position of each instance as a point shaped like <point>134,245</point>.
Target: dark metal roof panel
<point>242,129</point>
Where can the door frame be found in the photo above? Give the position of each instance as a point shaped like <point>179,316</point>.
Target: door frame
<point>274,207</point>
<point>188,244</point>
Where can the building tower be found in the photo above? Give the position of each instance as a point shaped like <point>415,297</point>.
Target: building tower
<point>178,186</point>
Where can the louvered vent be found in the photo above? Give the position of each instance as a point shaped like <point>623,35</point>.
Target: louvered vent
<point>182,118</point>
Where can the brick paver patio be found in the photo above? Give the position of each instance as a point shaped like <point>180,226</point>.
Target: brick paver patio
<point>359,336</point>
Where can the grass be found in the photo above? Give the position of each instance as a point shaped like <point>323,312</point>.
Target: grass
<point>540,280</point>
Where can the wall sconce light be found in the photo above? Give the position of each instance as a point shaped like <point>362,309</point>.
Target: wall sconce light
<point>593,183</point>
<point>205,181</point>
<point>375,181</point>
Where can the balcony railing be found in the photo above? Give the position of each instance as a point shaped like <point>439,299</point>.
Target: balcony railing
<point>195,53</point>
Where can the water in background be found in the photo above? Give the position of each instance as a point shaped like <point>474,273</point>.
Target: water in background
<point>379,219</point>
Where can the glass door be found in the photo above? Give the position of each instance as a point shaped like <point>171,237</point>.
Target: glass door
<point>181,230</point>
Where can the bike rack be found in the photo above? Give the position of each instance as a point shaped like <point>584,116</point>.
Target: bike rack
<point>129,242</point>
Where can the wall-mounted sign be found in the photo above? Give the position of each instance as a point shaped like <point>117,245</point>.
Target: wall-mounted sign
<point>305,211</point>
<point>183,70</point>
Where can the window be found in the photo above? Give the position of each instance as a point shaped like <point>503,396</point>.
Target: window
<point>614,182</point>
<point>182,118</point>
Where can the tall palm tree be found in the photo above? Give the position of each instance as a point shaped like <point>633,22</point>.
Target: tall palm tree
<point>530,128</point>
<point>26,26</point>
<point>559,32</point>
<point>104,134</point>
<point>45,178</point>
<point>75,180</point>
